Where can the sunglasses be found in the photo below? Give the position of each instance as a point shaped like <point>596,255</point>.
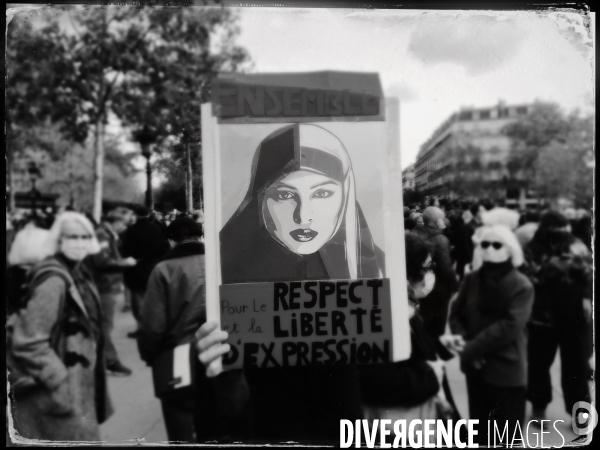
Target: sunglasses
<point>74,237</point>
<point>496,245</point>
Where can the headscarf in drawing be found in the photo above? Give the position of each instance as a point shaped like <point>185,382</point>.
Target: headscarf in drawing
<point>251,251</point>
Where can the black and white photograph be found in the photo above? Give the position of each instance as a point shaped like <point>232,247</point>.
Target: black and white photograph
<point>336,224</point>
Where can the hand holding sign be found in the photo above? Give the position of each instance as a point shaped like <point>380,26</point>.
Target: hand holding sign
<point>209,342</point>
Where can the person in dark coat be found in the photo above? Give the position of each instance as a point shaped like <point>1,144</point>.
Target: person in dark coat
<point>173,309</point>
<point>409,223</point>
<point>434,307</point>
<point>464,240</point>
<point>408,389</point>
<point>146,242</point>
<point>491,314</point>
<point>158,218</point>
<point>108,267</point>
<point>55,355</point>
<point>560,267</point>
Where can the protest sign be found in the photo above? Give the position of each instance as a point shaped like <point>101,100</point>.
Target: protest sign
<point>303,220</point>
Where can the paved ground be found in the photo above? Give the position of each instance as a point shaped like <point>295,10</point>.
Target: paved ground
<point>138,415</point>
<point>555,411</point>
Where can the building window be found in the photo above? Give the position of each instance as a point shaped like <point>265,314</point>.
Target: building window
<point>503,112</point>
<point>465,115</point>
<point>522,110</point>
<point>484,114</point>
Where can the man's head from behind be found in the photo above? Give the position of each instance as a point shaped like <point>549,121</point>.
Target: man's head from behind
<point>434,217</point>
<point>143,211</point>
<point>184,229</point>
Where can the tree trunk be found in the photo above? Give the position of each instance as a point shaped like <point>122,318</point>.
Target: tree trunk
<point>99,141</point>
<point>201,197</point>
<point>98,166</point>
<point>189,180</point>
<point>149,196</point>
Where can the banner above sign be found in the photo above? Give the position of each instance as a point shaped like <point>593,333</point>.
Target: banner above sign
<point>297,97</point>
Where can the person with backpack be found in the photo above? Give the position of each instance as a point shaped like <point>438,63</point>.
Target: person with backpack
<point>55,343</point>
<point>560,268</point>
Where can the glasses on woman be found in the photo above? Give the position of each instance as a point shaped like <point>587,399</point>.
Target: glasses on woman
<point>496,245</point>
<point>76,237</point>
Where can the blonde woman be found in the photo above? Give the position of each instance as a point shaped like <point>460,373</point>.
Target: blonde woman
<point>55,342</point>
<point>491,313</point>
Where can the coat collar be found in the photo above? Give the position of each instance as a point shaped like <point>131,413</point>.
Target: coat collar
<point>429,230</point>
<point>184,249</point>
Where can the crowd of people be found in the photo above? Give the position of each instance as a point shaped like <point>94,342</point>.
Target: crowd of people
<point>499,290</point>
<point>64,275</point>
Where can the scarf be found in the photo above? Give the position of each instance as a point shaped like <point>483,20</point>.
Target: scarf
<point>491,276</point>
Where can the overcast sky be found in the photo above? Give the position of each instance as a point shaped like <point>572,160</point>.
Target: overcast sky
<point>435,62</point>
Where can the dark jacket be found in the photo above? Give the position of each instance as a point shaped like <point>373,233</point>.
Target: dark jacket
<point>409,224</point>
<point>56,343</point>
<point>434,307</point>
<point>146,242</point>
<point>493,322</point>
<point>107,266</point>
<point>301,404</point>
<point>174,305</point>
<point>464,242</point>
<point>379,383</point>
<point>562,276</point>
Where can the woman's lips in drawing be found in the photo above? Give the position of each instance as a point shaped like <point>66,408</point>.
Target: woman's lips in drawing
<point>303,234</point>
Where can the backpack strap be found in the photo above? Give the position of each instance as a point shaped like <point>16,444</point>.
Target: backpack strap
<point>66,276</point>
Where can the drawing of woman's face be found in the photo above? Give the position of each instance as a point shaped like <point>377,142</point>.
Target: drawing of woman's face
<point>304,208</point>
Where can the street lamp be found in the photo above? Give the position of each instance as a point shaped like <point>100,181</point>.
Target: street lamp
<point>147,137</point>
<point>34,175</point>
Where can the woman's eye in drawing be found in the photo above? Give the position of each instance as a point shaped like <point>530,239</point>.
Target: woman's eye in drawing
<point>323,193</point>
<point>285,195</point>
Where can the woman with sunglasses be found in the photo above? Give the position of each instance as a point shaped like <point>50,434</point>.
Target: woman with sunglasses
<point>55,342</point>
<point>491,313</point>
